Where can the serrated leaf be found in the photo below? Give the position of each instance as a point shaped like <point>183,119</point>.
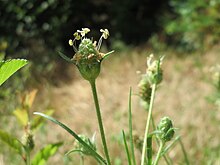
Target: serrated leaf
<point>21,115</point>
<point>9,67</point>
<point>11,141</point>
<point>45,153</point>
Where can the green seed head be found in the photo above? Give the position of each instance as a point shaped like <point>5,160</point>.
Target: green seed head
<point>145,89</point>
<point>88,60</point>
<point>87,57</point>
<point>165,127</point>
<point>90,142</point>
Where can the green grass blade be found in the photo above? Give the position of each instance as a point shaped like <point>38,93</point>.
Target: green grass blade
<point>149,150</point>
<point>99,157</point>
<point>38,121</point>
<point>126,148</point>
<point>131,129</point>
<point>9,67</point>
<point>168,147</point>
<point>65,57</point>
<point>107,54</point>
<point>45,153</point>
<point>11,141</point>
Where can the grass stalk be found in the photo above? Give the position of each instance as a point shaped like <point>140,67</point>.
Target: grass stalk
<point>131,129</point>
<point>143,157</point>
<point>28,157</point>
<point>126,148</point>
<point>159,153</point>
<point>166,158</point>
<point>99,117</point>
<point>184,151</point>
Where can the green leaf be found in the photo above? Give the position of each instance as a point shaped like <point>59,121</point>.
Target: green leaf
<point>45,153</point>
<point>131,128</point>
<point>149,150</point>
<point>107,54</point>
<point>21,115</point>
<point>9,67</point>
<point>126,148</point>
<point>11,141</point>
<point>71,132</point>
<point>38,121</point>
<point>65,57</point>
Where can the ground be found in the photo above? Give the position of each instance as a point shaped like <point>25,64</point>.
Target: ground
<point>182,96</point>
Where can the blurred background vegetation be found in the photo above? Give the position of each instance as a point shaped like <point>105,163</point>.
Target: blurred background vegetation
<point>35,30</point>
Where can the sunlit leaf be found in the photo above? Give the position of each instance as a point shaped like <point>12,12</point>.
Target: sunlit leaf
<point>11,141</point>
<point>21,115</point>
<point>29,98</point>
<point>44,154</point>
<point>9,67</point>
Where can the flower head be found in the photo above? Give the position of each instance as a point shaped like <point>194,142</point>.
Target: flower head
<point>166,130</point>
<point>77,36</point>
<point>154,71</point>
<point>84,31</point>
<point>87,56</point>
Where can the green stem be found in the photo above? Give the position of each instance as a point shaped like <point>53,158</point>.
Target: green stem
<point>184,151</point>
<point>28,159</point>
<point>159,153</point>
<point>143,157</point>
<point>166,158</point>
<point>99,117</point>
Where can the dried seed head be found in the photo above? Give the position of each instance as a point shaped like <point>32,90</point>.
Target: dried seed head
<point>165,127</point>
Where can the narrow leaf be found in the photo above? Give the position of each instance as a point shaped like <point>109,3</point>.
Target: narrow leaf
<point>130,128</point>
<point>126,148</point>
<point>149,150</point>
<point>107,54</point>
<point>9,67</point>
<point>44,154</point>
<point>11,141</point>
<point>71,132</point>
<point>38,121</point>
<point>65,57</point>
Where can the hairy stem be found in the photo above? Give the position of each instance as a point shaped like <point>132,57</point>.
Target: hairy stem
<point>99,117</point>
<point>143,157</point>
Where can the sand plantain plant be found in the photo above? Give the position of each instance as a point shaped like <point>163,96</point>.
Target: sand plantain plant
<point>25,146</point>
<point>87,59</point>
